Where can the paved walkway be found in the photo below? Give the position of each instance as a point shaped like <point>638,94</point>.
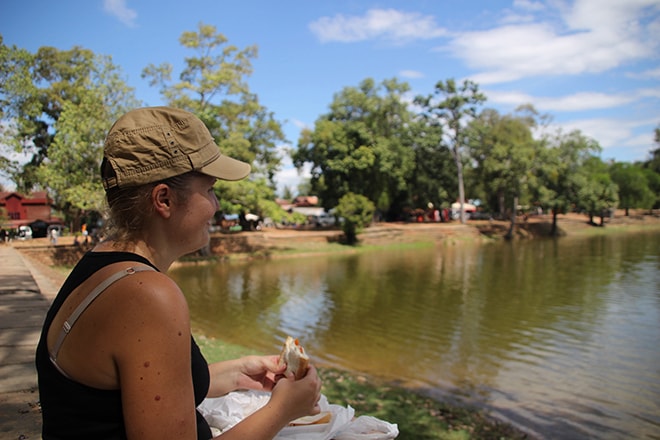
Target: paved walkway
<point>25,295</point>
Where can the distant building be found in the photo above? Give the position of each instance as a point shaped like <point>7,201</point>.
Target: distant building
<point>17,210</point>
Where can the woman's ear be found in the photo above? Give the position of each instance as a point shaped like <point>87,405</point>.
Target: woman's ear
<point>161,196</point>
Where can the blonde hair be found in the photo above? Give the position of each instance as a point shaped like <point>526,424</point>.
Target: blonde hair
<point>129,208</point>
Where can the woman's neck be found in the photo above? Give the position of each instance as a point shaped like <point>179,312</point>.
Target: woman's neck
<point>140,248</point>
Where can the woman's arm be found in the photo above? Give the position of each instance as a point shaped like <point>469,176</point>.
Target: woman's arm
<point>152,358</point>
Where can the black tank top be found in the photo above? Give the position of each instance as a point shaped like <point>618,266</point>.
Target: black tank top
<point>71,410</point>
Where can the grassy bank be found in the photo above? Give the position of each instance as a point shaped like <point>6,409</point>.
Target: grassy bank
<point>418,417</point>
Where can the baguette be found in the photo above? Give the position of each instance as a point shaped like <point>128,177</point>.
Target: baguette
<point>294,357</point>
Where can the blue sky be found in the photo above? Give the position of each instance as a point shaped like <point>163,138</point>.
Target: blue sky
<point>593,65</point>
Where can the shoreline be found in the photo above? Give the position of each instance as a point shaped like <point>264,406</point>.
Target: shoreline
<point>50,265</point>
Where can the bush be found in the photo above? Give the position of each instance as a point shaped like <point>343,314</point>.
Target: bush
<point>357,212</point>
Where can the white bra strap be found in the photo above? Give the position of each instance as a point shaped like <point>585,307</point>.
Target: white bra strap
<point>68,324</point>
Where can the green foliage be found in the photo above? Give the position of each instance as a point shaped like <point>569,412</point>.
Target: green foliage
<point>634,189</point>
<point>362,145</point>
<point>505,156</point>
<point>564,181</point>
<point>213,85</point>
<point>357,212</point>
<point>653,179</point>
<point>38,87</point>
<point>452,107</point>
<point>60,105</point>
<point>71,170</point>
<point>57,105</point>
<point>597,193</point>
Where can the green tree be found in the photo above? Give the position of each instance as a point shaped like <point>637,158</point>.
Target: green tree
<point>652,169</point>
<point>563,172</point>
<point>434,177</point>
<point>654,162</point>
<point>653,179</point>
<point>213,85</point>
<point>357,212</point>
<point>505,156</point>
<point>452,107</point>
<point>71,170</point>
<point>361,146</point>
<point>58,106</point>
<point>634,189</point>
<point>34,90</point>
<point>597,193</point>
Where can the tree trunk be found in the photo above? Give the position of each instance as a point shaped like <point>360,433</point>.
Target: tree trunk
<point>509,235</point>
<point>500,203</point>
<point>461,188</point>
<point>553,230</point>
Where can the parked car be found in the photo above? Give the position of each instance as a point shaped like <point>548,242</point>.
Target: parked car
<point>325,220</point>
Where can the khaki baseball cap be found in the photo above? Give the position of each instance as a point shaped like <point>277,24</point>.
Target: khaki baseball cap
<point>154,143</point>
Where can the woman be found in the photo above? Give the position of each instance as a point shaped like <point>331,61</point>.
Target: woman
<point>116,359</point>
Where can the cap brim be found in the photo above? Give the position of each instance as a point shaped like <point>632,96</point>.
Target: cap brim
<point>227,168</point>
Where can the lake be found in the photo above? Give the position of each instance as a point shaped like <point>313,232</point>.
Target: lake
<point>560,337</point>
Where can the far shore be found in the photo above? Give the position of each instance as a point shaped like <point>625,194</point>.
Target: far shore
<point>56,260</point>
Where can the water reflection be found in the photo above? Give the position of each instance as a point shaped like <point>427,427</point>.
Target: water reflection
<point>559,336</point>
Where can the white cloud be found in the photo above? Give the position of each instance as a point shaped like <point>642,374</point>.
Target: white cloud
<point>591,36</point>
<point>631,138</point>
<point>529,5</point>
<point>387,24</point>
<point>646,74</point>
<point>576,102</point>
<point>412,74</point>
<point>299,124</point>
<point>580,101</point>
<point>119,9</point>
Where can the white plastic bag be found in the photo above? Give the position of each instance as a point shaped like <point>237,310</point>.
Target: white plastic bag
<point>368,428</point>
<point>222,413</point>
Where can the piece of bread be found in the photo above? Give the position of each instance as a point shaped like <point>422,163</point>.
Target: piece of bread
<point>294,357</point>
<point>318,419</point>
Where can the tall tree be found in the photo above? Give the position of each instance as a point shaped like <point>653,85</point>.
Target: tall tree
<point>361,146</point>
<point>71,170</point>
<point>213,85</point>
<point>654,162</point>
<point>563,172</point>
<point>634,189</point>
<point>505,154</point>
<point>597,193</point>
<point>34,90</point>
<point>434,176</point>
<point>452,107</point>
<point>57,107</point>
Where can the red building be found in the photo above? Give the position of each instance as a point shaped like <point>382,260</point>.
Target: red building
<point>35,211</point>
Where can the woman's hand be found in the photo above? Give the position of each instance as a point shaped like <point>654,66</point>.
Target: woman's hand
<point>298,398</point>
<point>246,373</point>
<point>259,373</point>
<point>290,400</point>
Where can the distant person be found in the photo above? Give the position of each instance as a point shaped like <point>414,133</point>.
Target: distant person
<point>53,236</point>
<point>125,365</point>
<point>84,232</point>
